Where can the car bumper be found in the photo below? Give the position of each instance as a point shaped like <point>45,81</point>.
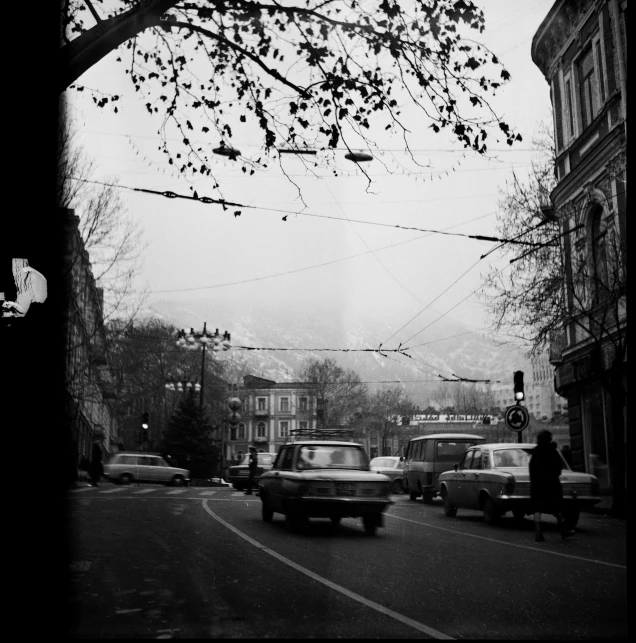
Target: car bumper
<point>510,502</point>
<point>342,507</point>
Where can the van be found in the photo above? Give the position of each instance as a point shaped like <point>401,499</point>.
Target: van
<point>428,456</point>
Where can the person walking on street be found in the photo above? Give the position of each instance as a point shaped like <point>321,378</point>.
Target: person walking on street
<point>252,466</point>
<point>546,494</point>
<point>97,468</point>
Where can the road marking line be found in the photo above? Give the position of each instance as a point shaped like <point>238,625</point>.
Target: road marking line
<point>145,491</point>
<point>80,490</point>
<point>503,542</point>
<point>113,490</point>
<point>338,588</point>
<point>172,493</point>
<point>207,493</point>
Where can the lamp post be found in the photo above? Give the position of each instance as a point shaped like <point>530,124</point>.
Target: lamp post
<point>195,341</point>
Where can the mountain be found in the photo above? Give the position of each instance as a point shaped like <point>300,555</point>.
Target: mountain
<point>446,348</point>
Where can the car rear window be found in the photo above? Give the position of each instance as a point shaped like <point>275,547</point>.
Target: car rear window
<point>323,456</point>
<point>382,462</point>
<point>447,451</point>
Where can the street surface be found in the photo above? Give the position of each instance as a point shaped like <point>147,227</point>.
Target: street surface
<point>157,562</point>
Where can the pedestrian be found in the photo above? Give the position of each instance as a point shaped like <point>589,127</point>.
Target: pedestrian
<point>252,466</point>
<point>97,468</point>
<point>546,495</point>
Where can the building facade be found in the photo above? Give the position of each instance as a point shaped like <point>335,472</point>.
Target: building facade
<point>270,413</point>
<point>581,50</point>
<point>88,380</point>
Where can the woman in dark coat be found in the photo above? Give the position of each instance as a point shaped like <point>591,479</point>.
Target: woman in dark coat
<point>546,494</point>
<point>97,468</point>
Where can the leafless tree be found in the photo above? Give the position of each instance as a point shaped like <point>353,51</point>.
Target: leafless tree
<point>113,239</point>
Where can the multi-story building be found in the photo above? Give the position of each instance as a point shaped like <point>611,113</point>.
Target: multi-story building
<point>270,412</point>
<point>88,385</point>
<point>581,49</point>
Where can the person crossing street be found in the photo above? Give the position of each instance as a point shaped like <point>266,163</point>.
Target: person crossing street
<point>252,467</point>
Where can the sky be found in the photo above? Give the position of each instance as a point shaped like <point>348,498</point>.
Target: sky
<point>344,249</point>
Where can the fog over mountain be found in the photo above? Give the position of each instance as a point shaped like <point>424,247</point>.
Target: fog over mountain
<point>448,347</point>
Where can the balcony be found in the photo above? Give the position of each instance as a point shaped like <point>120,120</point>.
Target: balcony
<point>260,439</point>
<point>261,413</point>
<point>558,343</point>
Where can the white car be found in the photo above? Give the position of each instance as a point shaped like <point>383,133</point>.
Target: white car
<point>392,467</point>
<point>495,478</point>
<point>127,467</point>
<point>324,479</point>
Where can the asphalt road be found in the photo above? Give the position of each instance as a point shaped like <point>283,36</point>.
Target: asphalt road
<point>155,562</point>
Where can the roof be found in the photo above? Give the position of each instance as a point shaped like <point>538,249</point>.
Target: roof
<point>509,445</point>
<point>326,442</point>
<point>450,436</point>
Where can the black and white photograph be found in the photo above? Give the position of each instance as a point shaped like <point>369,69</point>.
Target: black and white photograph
<point>317,324</point>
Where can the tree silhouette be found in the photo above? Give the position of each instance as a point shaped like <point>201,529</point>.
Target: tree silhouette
<point>189,439</point>
<point>308,76</point>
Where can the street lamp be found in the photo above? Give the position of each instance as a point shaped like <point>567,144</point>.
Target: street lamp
<point>201,341</point>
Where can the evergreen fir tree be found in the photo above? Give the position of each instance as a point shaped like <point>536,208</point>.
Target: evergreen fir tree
<point>189,439</point>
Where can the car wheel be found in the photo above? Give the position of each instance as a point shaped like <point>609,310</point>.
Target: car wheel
<point>491,512</point>
<point>518,514</point>
<point>125,478</point>
<point>178,481</point>
<point>571,517</point>
<point>396,486</point>
<point>267,513</point>
<point>427,497</point>
<point>449,508</point>
<point>370,524</point>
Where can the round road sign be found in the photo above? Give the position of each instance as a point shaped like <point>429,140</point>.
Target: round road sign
<point>517,417</point>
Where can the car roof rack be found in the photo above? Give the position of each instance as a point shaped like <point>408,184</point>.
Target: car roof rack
<point>344,435</point>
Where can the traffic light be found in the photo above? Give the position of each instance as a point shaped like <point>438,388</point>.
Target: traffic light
<point>145,424</point>
<point>518,384</point>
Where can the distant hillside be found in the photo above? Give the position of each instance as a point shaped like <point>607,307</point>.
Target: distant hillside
<point>446,348</point>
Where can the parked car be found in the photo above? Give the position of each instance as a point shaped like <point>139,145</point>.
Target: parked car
<point>124,468</point>
<point>495,478</point>
<point>430,455</point>
<point>238,474</point>
<point>392,467</point>
<point>324,479</point>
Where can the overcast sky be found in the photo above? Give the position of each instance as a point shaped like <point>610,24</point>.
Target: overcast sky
<point>352,266</point>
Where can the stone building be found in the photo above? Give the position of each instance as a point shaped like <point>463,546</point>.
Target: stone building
<point>88,381</point>
<point>580,48</point>
<point>270,412</point>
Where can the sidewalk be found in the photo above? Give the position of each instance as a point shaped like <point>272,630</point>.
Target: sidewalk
<point>601,508</point>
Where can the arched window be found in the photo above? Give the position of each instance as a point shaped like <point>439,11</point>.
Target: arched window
<point>241,431</point>
<point>598,242</point>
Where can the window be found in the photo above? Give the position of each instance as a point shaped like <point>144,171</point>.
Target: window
<point>588,87</point>
<point>284,404</point>
<point>302,404</point>
<point>465,464</point>
<point>568,115</point>
<point>261,404</point>
<point>260,430</point>
<point>599,253</point>
<point>283,429</point>
<point>286,459</point>
<point>476,464</point>
<point>241,431</point>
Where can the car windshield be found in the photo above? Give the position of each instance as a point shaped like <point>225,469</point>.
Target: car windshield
<point>516,457</point>
<point>383,462</point>
<point>324,456</point>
